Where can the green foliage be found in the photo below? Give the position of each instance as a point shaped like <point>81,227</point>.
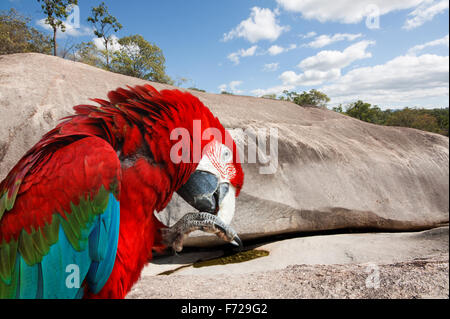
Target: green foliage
<point>338,109</point>
<point>434,120</point>
<point>17,37</point>
<point>180,81</point>
<point>104,24</point>
<point>311,98</point>
<point>196,89</point>
<point>365,112</point>
<point>139,58</point>
<point>225,92</point>
<point>56,11</point>
<point>441,116</point>
<point>269,96</point>
<point>87,52</point>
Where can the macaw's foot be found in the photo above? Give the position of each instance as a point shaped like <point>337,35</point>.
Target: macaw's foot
<point>175,235</point>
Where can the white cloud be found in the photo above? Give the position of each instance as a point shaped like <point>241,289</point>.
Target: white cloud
<point>309,77</point>
<point>223,87</point>
<point>345,11</point>
<point>424,13</point>
<point>261,25</point>
<point>112,46</point>
<point>275,49</point>
<point>235,56</point>
<point>420,47</point>
<point>273,90</point>
<point>70,30</point>
<point>232,86</point>
<point>324,40</point>
<point>271,66</point>
<point>308,35</point>
<point>402,79</point>
<point>323,67</point>
<point>250,51</point>
<point>327,60</point>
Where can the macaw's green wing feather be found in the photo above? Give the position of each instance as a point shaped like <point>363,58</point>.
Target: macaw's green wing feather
<point>59,233</point>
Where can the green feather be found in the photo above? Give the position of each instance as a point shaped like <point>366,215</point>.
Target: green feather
<point>8,289</point>
<point>2,205</point>
<point>27,248</point>
<point>33,246</point>
<point>8,252</point>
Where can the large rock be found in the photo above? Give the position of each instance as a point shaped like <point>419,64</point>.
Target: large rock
<point>331,172</point>
<point>363,248</point>
<point>375,265</point>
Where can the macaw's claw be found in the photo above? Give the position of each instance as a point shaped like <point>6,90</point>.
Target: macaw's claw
<point>175,235</point>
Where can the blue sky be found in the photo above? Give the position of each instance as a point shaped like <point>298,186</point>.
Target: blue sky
<point>255,47</point>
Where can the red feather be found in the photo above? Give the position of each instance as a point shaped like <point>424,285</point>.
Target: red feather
<point>135,124</point>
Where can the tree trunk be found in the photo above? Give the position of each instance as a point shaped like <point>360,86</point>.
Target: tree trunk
<point>107,54</point>
<point>54,41</point>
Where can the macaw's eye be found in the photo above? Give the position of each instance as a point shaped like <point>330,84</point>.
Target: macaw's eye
<point>226,155</point>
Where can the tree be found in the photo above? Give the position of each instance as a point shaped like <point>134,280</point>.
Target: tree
<point>56,10</point>
<point>104,24</point>
<point>442,118</point>
<point>196,89</point>
<point>365,112</point>
<point>87,52</point>
<point>311,98</point>
<point>426,122</point>
<point>17,37</point>
<point>338,109</point>
<point>181,80</point>
<point>139,58</point>
<point>269,96</point>
<point>67,50</point>
<point>419,119</point>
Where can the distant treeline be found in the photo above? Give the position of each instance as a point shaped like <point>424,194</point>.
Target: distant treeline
<point>431,120</point>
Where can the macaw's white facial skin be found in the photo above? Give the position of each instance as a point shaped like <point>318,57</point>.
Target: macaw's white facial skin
<point>227,206</point>
<point>209,190</point>
<point>218,160</point>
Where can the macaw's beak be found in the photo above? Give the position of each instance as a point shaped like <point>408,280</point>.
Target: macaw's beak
<point>215,202</point>
<point>203,192</point>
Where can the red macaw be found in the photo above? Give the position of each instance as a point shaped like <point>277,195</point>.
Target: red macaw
<point>80,204</point>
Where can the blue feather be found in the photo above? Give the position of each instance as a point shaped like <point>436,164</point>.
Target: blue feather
<point>29,280</point>
<point>103,246</point>
<point>63,271</point>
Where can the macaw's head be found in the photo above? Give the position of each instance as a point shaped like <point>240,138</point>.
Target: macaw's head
<point>217,181</point>
<point>212,189</point>
<point>218,178</point>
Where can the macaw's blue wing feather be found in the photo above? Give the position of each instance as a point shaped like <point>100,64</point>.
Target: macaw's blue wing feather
<point>59,254</point>
<point>103,246</point>
<point>63,270</point>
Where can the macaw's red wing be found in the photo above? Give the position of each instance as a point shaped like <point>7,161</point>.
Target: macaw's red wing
<point>59,220</point>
